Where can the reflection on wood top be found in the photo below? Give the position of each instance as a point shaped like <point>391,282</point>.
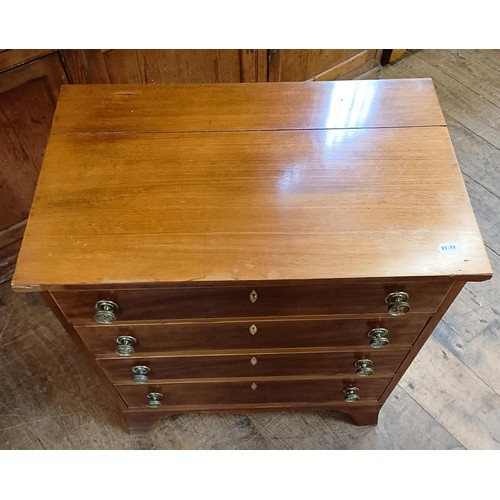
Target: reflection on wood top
<point>241,106</point>
<point>363,186</point>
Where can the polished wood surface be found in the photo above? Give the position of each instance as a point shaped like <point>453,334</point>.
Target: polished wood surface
<point>255,364</point>
<point>268,333</point>
<point>212,301</point>
<point>28,95</point>
<point>219,394</point>
<point>275,106</point>
<point>448,398</point>
<point>338,204</point>
<point>313,222</point>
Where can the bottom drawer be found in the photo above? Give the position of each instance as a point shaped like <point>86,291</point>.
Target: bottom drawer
<point>210,393</point>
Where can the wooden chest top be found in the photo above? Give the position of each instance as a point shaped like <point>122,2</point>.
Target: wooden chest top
<point>240,182</point>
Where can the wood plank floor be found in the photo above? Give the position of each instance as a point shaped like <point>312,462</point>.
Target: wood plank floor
<point>448,399</point>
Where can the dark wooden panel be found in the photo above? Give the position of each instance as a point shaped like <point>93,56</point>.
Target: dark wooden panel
<point>101,340</point>
<point>9,58</point>
<point>234,301</point>
<point>219,393</point>
<point>27,103</point>
<point>28,96</point>
<point>253,364</point>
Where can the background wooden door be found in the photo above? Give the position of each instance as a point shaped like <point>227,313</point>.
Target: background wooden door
<point>165,66</point>
<point>294,65</point>
<point>28,95</point>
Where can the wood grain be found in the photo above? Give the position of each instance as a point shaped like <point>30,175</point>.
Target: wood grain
<point>423,337</point>
<point>367,70</point>
<point>471,68</point>
<point>11,58</point>
<point>213,301</point>
<point>454,396</point>
<point>461,103</point>
<point>192,336</point>
<point>476,308</point>
<point>50,399</point>
<point>160,66</point>
<point>166,366</point>
<point>284,105</point>
<point>219,395</point>
<point>287,65</point>
<point>477,158</point>
<point>295,65</point>
<point>28,96</point>
<point>265,211</point>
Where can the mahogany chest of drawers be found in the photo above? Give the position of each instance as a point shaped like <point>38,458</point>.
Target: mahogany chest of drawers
<point>240,247</point>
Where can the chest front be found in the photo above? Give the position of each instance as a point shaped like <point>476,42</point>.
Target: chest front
<point>244,247</point>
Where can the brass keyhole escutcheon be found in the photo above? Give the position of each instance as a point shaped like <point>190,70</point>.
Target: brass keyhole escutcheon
<point>253,296</point>
<point>253,361</point>
<point>253,386</point>
<point>253,329</point>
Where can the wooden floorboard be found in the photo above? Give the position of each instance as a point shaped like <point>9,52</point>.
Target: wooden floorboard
<point>463,105</point>
<point>448,399</point>
<point>455,396</point>
<point>478,159</point>
<point>474,69</point>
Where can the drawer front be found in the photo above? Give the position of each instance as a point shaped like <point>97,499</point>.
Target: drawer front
<point>207,394</point>
<point>383,363</point>
<point>262,334</point>
<point>249,301</point>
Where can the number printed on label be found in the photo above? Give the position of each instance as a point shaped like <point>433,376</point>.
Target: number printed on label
<point>449,248</point>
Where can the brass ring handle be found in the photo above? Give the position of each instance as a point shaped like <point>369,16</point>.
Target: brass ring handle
<point>141,373</point>
<point>125,345</point>
<point>105,312</point>
<point>154,399</point>
<point>397,303</point>
<point>378,338</point>
<point>364,367</point>
<point>351,394</point>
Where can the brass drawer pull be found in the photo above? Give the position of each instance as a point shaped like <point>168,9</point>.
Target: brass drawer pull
<point>141,373</point>
<point>105,312</point>
<point>397,303</point>
<point>253,386</point>
<point>351,394</point>
<point>253,329</point>
<point>154,399</point>
<point>378,338</point>
<point>364,367</point>
<point>253,296</point>
<point>125,345</point>
<point>253,361</point>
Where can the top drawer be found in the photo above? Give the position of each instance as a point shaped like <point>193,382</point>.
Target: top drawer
<point>205,302</point>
